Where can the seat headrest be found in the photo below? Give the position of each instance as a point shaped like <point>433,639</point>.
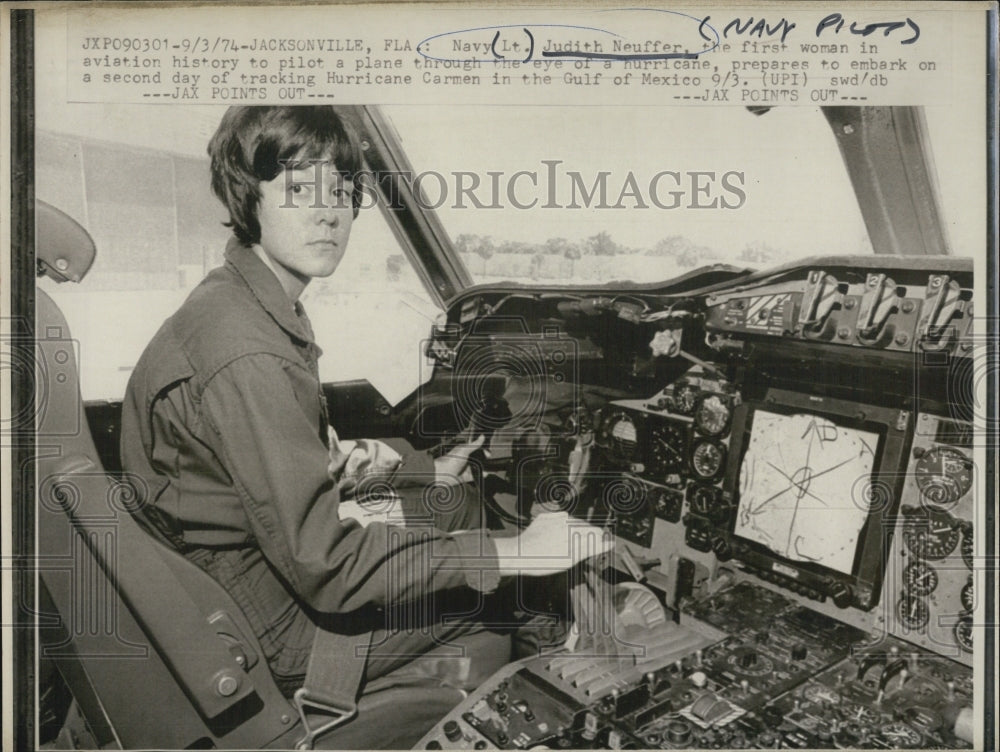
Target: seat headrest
<point>64,249</point>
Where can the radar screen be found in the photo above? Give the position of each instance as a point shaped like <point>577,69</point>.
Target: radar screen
<point>799,481</point>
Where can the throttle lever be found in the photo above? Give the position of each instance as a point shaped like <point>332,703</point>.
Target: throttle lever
<point>877,303</point>
<point>895,668</point>
<point>818,299</point>
<point>941,304</point>
<point>872,659</point>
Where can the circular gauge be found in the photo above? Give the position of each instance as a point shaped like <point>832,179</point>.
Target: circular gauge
<point>931,534</point>
<point>667,503</point>
<point>912,612</point>
<point>703,500</point>
<point>621,435</point>
<point>712,415</point>
<point>750,662</point>
<point>920,578</point>
<point>967,544</point>
<point>963,633</point>
<point>860,714</point>
<point>667,447</point>
<point>944,475</point>
<point>685,396</point>
<point>820,695</point>
<point>901,736</point>
<point>968,595</point>
<point>707,459</point>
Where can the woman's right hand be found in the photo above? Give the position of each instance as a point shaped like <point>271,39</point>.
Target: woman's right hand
<point>553,542</point>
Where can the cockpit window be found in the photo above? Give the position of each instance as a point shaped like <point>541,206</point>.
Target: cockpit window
<point>530,195</point>
<point>581,195</point>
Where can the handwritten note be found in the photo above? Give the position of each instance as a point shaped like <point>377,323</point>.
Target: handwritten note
<point>628,56</point>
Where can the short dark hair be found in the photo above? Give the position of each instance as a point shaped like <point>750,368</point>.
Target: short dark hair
<point>253,144</point>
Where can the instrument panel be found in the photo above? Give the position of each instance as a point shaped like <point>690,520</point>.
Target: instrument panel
<point>905,567</point>
<point>800,496</point>
<point>896,311</point>
<point>746,668</point>
<point>931,574</point>
<point>909,566</point>
<point>672,447</point>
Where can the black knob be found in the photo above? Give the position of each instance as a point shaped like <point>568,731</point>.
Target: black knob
<point>433,744</point>
<point>452,731</point>
<point>842,594</point>
<point>748,660</point>
<point>678,731</point>
<point>799,652</point>
<point>480,745</point>
<point>722,549</point>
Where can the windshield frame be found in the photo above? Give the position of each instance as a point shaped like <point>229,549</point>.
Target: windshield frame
<point>885,151</point>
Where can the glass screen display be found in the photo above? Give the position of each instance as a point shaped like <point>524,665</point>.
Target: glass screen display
<point>804,488</point>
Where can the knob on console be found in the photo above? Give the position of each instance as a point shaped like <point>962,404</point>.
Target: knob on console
<point>452,731</point>
<point>679,731</point>
<point>842,594</point>
<point>723,550</point>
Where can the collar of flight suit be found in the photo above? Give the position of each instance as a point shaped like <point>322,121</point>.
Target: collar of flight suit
<point>268,291</point>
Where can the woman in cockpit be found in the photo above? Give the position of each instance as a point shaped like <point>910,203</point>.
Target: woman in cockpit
<point>225,421</point>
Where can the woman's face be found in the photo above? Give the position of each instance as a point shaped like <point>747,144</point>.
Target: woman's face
<point>305,217</point>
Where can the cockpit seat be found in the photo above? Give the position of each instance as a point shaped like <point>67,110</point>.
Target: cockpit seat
<point>156,653</point>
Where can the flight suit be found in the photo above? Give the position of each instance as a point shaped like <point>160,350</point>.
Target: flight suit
<point>224,422</point>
